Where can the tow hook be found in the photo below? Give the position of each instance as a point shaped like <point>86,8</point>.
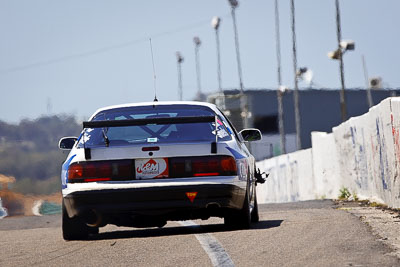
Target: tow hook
<point>259,176</point>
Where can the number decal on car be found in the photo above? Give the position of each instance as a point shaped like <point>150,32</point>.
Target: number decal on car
<point>151,168</point>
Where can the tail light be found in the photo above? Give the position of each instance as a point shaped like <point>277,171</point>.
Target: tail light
<point>120,170</point>
<point>95,171</point>
<point>202,166</point>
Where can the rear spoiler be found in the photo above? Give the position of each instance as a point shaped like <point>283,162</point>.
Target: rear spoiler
<point>137,122</point>
<point>147,121</point>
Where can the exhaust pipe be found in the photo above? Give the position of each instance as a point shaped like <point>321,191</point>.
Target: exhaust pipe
<point>94,219</point>
<point>213,205</point>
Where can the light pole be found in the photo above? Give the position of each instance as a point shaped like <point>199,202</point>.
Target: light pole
<point>197,43</point>
<point>234,4</point>
<point>338,55</point>
<point>243,99</point>
<point>215,22</point>
<point>179,60</point>
<point>343,46</point>
<point>343,107</point>
<point>279,93</point>
<point>296,87</point>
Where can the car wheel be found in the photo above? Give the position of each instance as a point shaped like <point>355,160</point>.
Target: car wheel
<point>254,214</point>
<point>73,228</point>
<point>240,219</point>
<point>245,215</point>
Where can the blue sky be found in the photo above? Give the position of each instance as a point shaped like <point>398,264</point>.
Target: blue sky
<point>82,55</point>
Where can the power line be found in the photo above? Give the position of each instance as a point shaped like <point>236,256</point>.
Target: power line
<point>101,50</point>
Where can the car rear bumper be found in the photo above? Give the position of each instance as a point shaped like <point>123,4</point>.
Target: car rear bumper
<point>169,202</point>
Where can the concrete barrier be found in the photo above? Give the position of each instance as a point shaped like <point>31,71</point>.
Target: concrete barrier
<point>290,178</point>
<point>361,154</point>
<point>325,165</point>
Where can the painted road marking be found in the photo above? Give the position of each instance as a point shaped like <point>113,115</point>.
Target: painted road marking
<point>215,251</point>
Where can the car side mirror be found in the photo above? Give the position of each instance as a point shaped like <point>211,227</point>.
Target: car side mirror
<point>67,143</point>
<point>251,135</point>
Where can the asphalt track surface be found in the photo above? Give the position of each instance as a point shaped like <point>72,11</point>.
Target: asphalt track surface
<point>311,233</point>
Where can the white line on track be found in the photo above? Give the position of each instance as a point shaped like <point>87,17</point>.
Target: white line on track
<point>36,207</point>
<point>215,251</point>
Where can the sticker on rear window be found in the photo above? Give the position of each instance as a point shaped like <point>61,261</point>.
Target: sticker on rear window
<point>221,132</point>
<point>152,140</point>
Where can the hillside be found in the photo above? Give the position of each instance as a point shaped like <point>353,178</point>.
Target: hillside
<point>29,152</point>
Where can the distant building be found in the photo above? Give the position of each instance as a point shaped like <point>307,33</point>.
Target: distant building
<point>319,111</point>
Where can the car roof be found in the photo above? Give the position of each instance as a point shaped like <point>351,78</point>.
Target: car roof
<point>158,103</point>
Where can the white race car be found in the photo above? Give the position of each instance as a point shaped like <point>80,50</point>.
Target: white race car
<point>140,165</point>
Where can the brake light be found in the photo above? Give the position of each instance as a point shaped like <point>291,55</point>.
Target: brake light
<point>95,171</point>
<point>120,170</point>
<point>177,168</point>
<point>151,148</point>
<point>228,164</point>
<point>206,174</point>
<point>202,166</point>
<point>75,171</point>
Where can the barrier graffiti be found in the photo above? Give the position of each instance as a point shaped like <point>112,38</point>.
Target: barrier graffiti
<point>396,141</point>
<point>381,146</point>
<point>360,159</point>
<point>361,154</point>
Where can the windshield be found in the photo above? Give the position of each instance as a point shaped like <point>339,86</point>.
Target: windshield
<point>154,133</point>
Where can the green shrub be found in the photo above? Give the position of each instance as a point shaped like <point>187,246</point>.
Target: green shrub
<point>344,193</point>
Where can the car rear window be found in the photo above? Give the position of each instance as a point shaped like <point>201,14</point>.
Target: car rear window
<point>154,133</point>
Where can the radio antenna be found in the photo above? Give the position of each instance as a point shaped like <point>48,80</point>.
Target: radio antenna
<point>154,72</point>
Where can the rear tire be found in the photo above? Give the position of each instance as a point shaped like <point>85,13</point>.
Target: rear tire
<point>245,215</point>
<point>74,228</point>
<point>254,214</point>
<point>240,219</point>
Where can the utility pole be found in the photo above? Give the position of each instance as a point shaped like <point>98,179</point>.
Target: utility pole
<point>243,98</point>
<point>296,87</point>
<point>234,5</point>
<point>279,93</point>
<point>343,107</point>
